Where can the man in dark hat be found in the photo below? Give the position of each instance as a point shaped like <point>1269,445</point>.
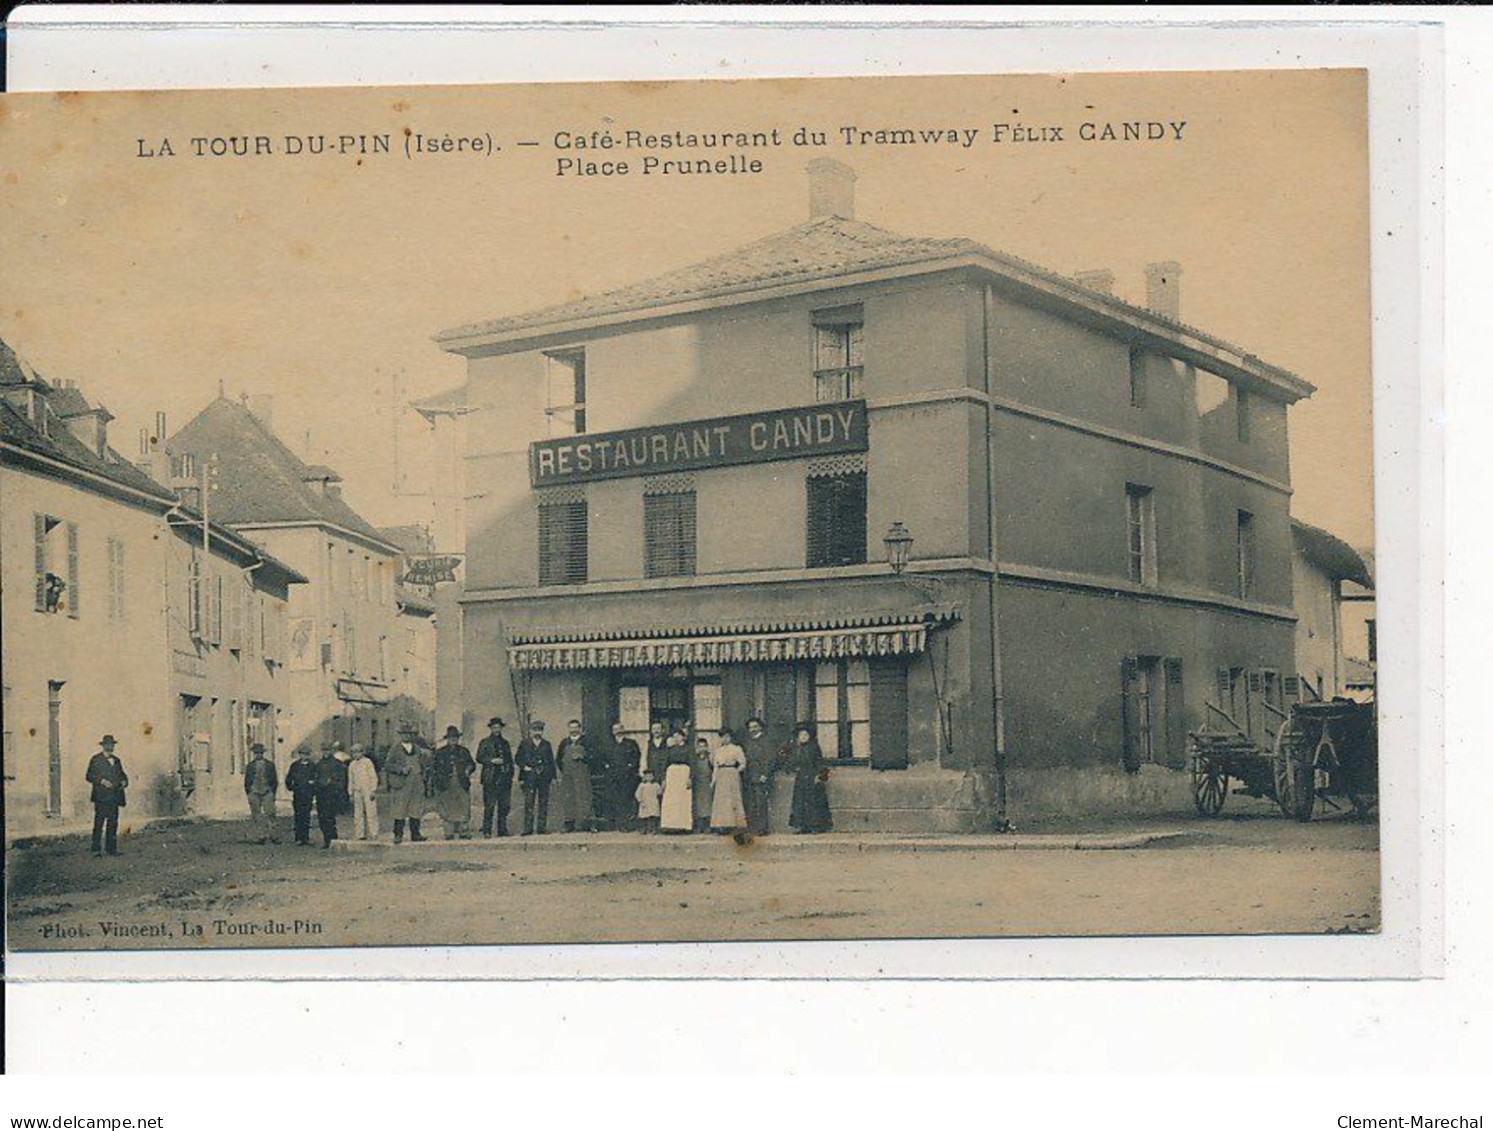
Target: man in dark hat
<point>109,781</point>
<point>624,763</point>
<point>451,784</point>
<point>757,782</point>
<point>260,783</point>
<point>536,772</point>
<point>332,799</point>
<point>495,757</point>
<point>300,780</point>
<point>404,784</point>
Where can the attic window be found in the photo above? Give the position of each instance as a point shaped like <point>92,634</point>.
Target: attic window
<point>566,380</point>
<point>839,347</point>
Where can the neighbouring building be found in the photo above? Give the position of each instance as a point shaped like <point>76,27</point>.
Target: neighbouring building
<point>689,501</point>
<point>444,457</point>
<point>101,635</point>
<point>421,613</point>
<point>1325,572</point>
<point>346,636</point>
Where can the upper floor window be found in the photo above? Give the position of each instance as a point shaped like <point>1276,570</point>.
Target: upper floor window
<point>195,611</point>
<point>836,513</point>
<point>838,353</point>
<point>566,401</point>
<point>56,565</point>
<point>562,542</point>
<point>116,579</point>
<point>1137,377</point>
<point>1241,413</point>
<point>1245,546</point>
<point>1140,519</point>
<point>669,531</point>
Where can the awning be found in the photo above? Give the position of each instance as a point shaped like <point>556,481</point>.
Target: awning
<point>876,635</point>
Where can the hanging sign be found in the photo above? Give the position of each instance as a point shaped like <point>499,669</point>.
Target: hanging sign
<point>430,569</point>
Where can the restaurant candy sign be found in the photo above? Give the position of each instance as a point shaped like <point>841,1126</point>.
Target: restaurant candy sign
<point>757,437</point>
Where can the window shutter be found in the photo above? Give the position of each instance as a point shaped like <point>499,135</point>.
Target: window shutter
<point>888,715</point>
<point>1293,688</point>
<point>1176,713</point>
<point>669,534</point>
<point>1256,682</point>
<point>562,543</point>
<point>1129,716</point>
<point>41,563</point>
<point>1225,688</point>
<point>74,604</point>
<point>836,516</point>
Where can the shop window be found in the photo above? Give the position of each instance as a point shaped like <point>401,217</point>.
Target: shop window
<point>669,533</point>
<point>562,543</point>
<point>836,518</point>
<point>56,565</point>
<point>1245,554</point>
<point>566,381</point>
<point>1140,521</point>
<point>838,353</point>
<point>842,709</point>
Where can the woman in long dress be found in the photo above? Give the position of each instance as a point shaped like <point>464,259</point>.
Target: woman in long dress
<point>678,812</point>
<point>727,812</point>
<point>810,813</point>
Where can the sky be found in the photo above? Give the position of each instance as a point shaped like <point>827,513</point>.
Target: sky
<point>153,282</point>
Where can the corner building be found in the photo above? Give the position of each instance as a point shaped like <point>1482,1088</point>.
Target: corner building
<point>679,495</point>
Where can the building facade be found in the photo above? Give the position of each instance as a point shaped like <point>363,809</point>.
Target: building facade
<point>345,675</point>
<point>1333,647</point>
<point>96,608</point>
<point>689,508</point>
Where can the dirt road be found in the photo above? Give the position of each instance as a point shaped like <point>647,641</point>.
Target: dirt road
<point>208,884</point>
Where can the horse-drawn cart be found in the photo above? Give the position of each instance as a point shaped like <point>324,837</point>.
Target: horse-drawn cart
<point>1323,751</point>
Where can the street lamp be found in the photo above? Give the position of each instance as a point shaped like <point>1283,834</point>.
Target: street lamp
<point>898,542</point>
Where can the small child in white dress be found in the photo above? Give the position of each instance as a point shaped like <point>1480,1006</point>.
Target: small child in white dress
<point>647,796</point>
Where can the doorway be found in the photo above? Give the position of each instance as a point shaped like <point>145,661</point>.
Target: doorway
<point>54,747</point>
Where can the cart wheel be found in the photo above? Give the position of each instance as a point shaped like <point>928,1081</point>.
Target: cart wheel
<point>1295,779</point>
<point>1210,785</point>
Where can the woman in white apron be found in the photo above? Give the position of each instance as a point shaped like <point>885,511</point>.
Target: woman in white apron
<point>678,810</point>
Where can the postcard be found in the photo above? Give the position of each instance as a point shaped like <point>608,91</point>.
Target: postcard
<point>801,509</point>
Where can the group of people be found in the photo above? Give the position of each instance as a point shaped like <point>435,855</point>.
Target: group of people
<point>668,786</point>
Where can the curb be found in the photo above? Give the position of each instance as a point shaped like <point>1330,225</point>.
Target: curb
<point>787,843</point>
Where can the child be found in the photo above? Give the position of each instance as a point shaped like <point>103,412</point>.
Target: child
<point>647,797</point>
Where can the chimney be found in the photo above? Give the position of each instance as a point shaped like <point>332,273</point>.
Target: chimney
<point>153,458</point>
<point>1100,279</point>
<point>262,406</point>
<point>831,189</point>
<point>1164,289</point>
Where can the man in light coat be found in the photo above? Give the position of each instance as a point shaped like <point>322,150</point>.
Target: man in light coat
<point>362,784</point>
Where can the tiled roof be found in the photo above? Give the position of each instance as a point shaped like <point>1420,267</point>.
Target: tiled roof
<point>825,249</point>
<point>1331,554</point>
<point>818,249</point>
<point>59,443</point>
<point>259,479</point>
<point>411,539</point>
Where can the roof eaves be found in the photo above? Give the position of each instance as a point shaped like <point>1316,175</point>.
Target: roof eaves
<point>497,337</point>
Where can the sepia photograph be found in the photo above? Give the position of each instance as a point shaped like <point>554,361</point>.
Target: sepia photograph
<point>770,510</point>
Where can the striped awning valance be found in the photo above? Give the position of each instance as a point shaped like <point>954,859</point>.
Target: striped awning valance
<point>865,637</point>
